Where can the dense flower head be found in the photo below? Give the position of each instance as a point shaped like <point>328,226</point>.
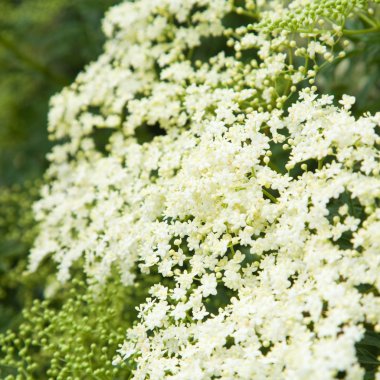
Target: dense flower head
<point>254,198</point>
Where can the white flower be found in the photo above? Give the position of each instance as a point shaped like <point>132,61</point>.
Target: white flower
<point>315,47</point>
<point>209,284</point>
<point>347,101</point>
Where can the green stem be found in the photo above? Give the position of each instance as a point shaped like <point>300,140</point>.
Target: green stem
<point>368,20</point>
<point>290,52</point>
<point>270,196</point>
<point>190,54</point>
<point>30,61</point>
<point>360,31</point>
<point>344,31</point>
<point>265,192</point>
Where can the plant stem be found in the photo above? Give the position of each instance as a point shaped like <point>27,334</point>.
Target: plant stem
<point>360,31</point>
<point>368,20</point>
<point>270,196</point>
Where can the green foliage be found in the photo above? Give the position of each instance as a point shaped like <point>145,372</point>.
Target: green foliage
<point>17,232</point>
<point>43,45</point>
<point>368,351</point>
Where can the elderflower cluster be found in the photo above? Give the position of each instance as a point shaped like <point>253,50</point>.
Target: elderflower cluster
<point>291,265</point>
<point>169,164</point>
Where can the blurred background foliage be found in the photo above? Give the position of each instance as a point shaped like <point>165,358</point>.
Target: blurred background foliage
<point>358,74</point>
<point>43,46</point>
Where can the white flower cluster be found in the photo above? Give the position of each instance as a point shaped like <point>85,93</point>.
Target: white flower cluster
<point>169,164</point>
<point>293,264</point>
